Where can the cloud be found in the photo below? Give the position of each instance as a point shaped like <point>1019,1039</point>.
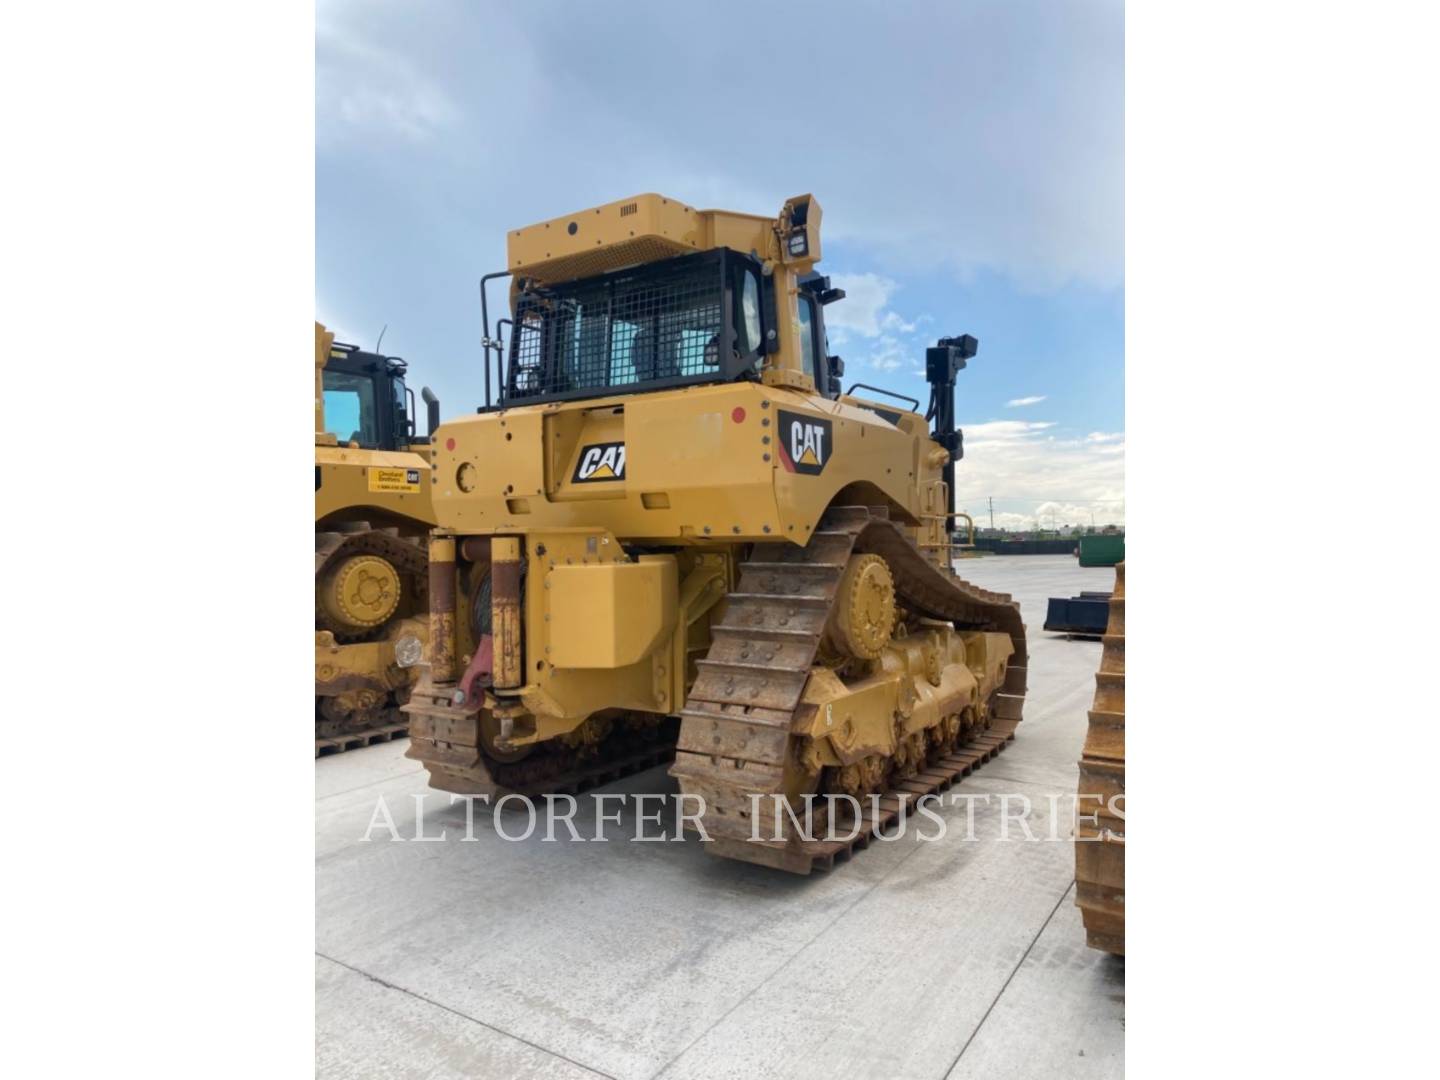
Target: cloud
<point>366,89</point>
<point>887,354</point>
<point>872,333</point>
<point>1034,472</point>
<point>863,311</point>
<point>1015,403</point>
<point>866,308</point>
<point>436,135</point>
<point>1009,160</point>
<point>1004,430</point>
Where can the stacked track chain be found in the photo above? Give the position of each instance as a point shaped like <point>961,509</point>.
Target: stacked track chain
<point>1100,846</point>
<point>736,724</point>
<point>409,559</point>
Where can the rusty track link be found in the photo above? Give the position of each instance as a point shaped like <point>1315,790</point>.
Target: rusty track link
<point>613,763</point>
<point>443,736</point>
<point>735,727</point>
<point>877,815</point>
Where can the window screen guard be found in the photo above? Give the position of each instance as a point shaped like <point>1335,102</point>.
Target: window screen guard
<point>663,324</point>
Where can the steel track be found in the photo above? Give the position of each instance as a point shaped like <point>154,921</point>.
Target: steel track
<point>735,733</point>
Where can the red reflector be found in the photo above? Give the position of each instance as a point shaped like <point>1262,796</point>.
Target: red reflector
<point>738,415</point>
<point>449,444</point>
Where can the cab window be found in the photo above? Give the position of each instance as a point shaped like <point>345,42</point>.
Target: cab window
<point>402,430</point>
<point>350,408</point>
<point>749,313</point>
<point>807,335</point>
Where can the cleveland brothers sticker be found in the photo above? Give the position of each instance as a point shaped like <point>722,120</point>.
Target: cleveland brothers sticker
<point>388,479</point>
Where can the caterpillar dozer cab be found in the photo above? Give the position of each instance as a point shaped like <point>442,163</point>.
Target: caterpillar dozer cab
<point>372,517</point>
<point>670,533</point>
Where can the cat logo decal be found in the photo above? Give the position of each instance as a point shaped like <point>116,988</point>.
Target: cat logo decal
<point>805,443</point>
<point>600,461</point>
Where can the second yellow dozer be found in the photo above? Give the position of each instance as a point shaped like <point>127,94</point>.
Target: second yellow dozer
<point>671,533</point>
<point>372,516</point>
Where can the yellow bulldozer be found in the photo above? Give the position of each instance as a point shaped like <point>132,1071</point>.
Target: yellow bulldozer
<point>372,516</point>
<point>668,533</point>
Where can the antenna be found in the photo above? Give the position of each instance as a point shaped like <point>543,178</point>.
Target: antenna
<point>381,337</point>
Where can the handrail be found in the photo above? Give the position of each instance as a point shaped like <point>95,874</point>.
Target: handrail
<point>888,393</point>
<point>486,342</point>
<point>971,523</point>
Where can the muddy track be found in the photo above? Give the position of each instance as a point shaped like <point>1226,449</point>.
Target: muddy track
<point>735,733</point>
<point>445,739</point>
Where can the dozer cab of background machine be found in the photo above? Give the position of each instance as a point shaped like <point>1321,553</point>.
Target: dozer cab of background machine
<point>669,532</point>
<point>372,515</point>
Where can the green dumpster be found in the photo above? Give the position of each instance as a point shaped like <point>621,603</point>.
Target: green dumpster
<point>1102,550</point>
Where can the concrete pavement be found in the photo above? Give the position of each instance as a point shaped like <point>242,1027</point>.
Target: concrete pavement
<point>954,958</point>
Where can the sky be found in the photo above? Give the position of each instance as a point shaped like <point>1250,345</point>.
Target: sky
<point>968,156</point>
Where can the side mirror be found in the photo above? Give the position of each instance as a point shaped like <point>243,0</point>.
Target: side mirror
<point>432,409</point>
